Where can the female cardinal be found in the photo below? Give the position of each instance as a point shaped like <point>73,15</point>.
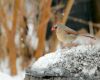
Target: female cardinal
<point>66,34</point>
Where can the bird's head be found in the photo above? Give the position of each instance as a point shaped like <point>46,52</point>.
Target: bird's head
<point>57,26</point>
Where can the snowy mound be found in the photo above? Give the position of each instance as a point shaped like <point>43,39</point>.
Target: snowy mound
<point>76,61</point>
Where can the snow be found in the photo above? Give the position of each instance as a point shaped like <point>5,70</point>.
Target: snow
<point>20,76</point>
<point>32,39</point>
<point>48,59</point>
<point>5,71</point>
<point>92,71</point>
<point>85,57</point>
<point>5,76</point>
<point>51,58</point>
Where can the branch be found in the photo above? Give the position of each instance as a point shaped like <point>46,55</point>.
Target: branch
<point>67,10</point>
<point>15,14</point>
<point>44,18</point>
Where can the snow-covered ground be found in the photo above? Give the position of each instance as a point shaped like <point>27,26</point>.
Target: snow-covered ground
<point>54,57</point>
<point>61,54</point>
<point>83,58</point>
<point>5,71</point>
<point>4,76</point>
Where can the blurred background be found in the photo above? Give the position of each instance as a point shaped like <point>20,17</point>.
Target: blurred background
<point>25,29</point>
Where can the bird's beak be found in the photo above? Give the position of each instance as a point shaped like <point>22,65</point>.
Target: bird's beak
<point>53,29</point>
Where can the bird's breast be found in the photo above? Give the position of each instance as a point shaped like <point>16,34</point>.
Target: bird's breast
<point>64,37</point>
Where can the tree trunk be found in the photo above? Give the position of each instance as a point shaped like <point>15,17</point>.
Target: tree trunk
<point>42,26</point>
<point>11,39</point>
<point>67,11</point>
<point>11,34</point>
<point>96,10</point>
<point>12,54</point>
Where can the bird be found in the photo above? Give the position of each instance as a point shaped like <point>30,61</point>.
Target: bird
<point>68,35</point>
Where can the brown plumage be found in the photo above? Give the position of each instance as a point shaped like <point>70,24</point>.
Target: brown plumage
<point>66,34</point>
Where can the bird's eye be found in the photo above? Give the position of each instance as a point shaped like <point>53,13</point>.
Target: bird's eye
<point>55,27</point>
<point>68,33</point>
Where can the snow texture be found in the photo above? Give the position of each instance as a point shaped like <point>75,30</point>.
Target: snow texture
<point>5,70</point>
<point>81,62</point>
<point>5,77</point>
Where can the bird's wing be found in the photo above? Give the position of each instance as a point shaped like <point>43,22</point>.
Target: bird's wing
<point>70,31</point>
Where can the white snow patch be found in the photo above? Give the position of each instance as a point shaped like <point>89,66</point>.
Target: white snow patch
<point>49,58</point>
<point>5,70</point>
<point>90,72</point>
<point>5,76</point>
<point>4,67</point>
<point>32,39</point>
<point>20,76</point>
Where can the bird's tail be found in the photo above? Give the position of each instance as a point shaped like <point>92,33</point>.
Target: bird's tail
<point>88,35</point>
